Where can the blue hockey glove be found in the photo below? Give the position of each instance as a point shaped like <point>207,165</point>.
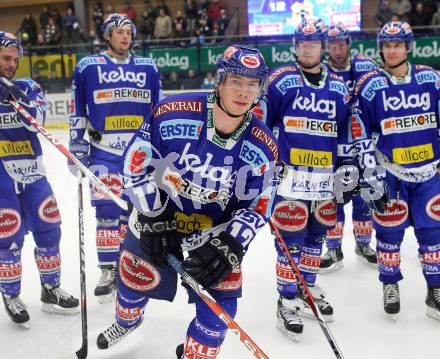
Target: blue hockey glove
<point>210,263</point>
<point>9,91</point>
<point>81,150</point>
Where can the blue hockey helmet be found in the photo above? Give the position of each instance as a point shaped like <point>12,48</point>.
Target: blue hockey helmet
<point>243,61</point>
<point>338,32</point>
<point>395,31</point>
<point>117,20</point>
<point>10,40</point>
<point>310,30</point>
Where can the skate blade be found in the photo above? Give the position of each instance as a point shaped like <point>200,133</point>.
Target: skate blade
<point>433,313</point>
<point>363,260</point>
<point>107,298</point>
<point>292,336</point>
<point>56,309</point>
<point>25,325</point>
<point>333,268</point>
<point>393,317</point>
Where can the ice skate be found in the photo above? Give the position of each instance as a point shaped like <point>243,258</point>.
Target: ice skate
<point>57,301</point>
<point>289,322</point>
<point>16,310</point>
<point>433,302</point>
<point>179,350</point>
<point>114,334</point>
<point>331,261</point>
<point>106,288</point>
<point>324,307</point>
<point>391,299</point>
<point>366,254</point>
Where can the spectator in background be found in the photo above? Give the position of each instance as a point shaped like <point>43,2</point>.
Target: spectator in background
<point>179,33</point>
<point>214,10</point>
<point>40,42</point>
<point>173,82</point>
<point>435,21</point>
<point>402,9</point>
<point>161,5</point>
<point>57,19</point>
<point>198,38</point>
<point>146,25</point>
<point>109,10</point>
<point>191,81</point>
<point>148,7</point>
<point>222,23</point>
<point>180,19</point>
<point>70,26</point>
<point>44,17</point>
<point>28,30</point>
<point>163,26</point>
<point>430,6</point>
<point>52,33</point>
<point>384,14</point>
<point>98,17</point>
<point>419,18</point>
<point>204,5</point>
<point>208,82</point>
<point>191,13</point>
<point>129,11</point>
<point>204,23</point>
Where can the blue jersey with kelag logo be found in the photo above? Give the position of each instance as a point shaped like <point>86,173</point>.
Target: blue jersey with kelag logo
<point>111,99</point>
<point>177,159</point>
<point>310,122</point>
<point>359,65</point>
<point>402,115</point>
<point>20,149</point>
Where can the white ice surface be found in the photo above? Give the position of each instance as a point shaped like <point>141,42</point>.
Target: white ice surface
<point>361,328</point>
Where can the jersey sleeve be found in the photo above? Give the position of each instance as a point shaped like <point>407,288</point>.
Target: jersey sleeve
<point>78,117</point>
<point>38,102</point>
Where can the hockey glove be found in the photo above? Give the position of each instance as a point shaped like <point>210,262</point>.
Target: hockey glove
<point>374,190</point>
<point>210,263</point>
<point>81,150</point>
<point>158,237</point>
<point>9,91</point>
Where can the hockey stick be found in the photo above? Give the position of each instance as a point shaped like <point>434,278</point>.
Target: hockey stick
<point>217,309</point>
<point>303,285</point>
<point>57,143</point>
<point>82,352</point>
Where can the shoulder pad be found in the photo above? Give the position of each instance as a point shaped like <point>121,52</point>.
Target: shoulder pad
<point>336,84</point>
<point>265,136</point>
<point>426,74</point>
<point>277,72</point>
<point>90,60</point>
<point>27,84</point>
<point>176,104</point>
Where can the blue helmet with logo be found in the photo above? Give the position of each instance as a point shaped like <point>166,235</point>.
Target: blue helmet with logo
<point>10,40</point>
<point>117,20</point>
<point>338,32</point>
<point>243,61</point>
<point>396,31</point>
<point>310,30</point>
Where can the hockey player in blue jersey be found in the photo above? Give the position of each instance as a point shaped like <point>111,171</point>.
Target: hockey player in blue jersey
<point>400,105</point>
<point>308,111</point>
<point>200,173</point>
<point>350,69</point>
<point>27,202</point>
<point>112,93</point>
